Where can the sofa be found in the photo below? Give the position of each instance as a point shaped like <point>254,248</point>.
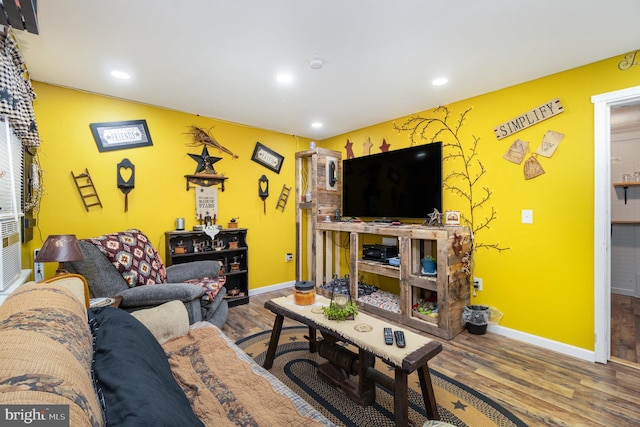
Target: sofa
<point>145,368</point>
<point>113,266</point>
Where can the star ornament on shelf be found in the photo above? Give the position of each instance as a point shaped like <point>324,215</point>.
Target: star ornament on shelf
<point>205,162</point>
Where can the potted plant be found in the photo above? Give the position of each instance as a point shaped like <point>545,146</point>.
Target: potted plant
<point>428,265</point>
<point>338,313</point>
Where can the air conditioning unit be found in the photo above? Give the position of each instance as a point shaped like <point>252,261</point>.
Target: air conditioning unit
<point>10,260</point>
<point>11,212</point>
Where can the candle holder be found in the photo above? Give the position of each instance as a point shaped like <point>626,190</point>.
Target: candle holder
<point>341,307</point>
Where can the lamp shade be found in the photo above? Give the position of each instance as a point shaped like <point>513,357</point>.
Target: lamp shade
<point>60,248</point>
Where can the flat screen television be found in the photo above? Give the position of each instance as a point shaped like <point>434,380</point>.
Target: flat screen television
<point>404,183</point>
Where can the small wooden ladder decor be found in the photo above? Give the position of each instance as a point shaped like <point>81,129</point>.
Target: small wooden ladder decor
<point>87,191</point>
<point>284,196</point>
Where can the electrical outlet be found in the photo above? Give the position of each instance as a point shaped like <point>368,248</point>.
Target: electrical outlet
<point>477,284</point>
<point>38,268</point>
<point>288,257</point>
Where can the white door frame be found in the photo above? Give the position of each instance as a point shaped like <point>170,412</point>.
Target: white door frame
<point>602,215</point>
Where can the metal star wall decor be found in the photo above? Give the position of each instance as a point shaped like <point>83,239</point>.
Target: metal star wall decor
<point>205,162</point>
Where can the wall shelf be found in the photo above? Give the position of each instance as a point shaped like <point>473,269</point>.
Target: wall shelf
<point>625,186</point>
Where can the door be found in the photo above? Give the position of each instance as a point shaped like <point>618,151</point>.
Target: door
<point>602,215</point>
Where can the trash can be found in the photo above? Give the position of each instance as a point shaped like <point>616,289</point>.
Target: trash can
<point>476,318</point>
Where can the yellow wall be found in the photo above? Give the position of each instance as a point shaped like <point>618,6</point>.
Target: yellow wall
<point>544,282</point>
<point>160,195</point>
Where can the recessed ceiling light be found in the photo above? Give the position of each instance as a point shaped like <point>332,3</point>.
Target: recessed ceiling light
<point>441,81</point>
<point>316,125</point>
<point>120,75</point>
<point>284,78</point>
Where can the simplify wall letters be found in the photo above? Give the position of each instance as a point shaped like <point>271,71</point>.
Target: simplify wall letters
<point>530,118</point>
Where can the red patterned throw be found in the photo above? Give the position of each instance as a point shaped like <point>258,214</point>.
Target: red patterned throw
<point>134,256</point>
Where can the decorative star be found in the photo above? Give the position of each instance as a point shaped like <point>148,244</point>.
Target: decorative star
<point>434,218</point>
<point>205,162</point>
<point>349,148</point>
<point>366,147</point>
<point>459,405</point>
<point>384,147</point>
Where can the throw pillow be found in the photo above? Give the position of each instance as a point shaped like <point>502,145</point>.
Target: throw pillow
<point>133,255</point>
<point>166,321</point>
<point>132,374</point>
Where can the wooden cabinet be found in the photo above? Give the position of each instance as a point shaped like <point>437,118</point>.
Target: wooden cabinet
<point>449,286</point>
<point>229,247</point>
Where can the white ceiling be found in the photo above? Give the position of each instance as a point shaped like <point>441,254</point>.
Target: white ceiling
<point>220,58</point>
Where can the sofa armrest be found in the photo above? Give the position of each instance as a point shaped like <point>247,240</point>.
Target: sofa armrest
<point>148,295</point>
<point>179,273</point>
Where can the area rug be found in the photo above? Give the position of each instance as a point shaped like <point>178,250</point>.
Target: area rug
<point>296,367</point>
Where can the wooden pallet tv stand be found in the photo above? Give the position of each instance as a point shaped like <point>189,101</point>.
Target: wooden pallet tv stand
<point>450,246</point>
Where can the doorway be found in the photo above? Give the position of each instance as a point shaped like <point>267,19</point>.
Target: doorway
<point>602,215</point>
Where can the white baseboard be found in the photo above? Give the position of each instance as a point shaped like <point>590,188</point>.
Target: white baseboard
<point>548,344</point>
<point>270,288</point>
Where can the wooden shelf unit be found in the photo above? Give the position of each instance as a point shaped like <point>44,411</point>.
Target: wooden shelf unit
<point>226,254</point>
<point>312,172</point>
<point>449,245</point>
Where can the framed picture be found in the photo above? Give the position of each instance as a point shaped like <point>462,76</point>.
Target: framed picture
<point>120,135</point>
<point>267,157</point>
<point>452,218</point>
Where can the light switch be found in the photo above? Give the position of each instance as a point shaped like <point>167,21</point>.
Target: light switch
<point>527,216</point>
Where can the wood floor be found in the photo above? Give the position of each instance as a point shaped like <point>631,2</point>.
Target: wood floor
<point>625,328</point>
<point>541,387</point>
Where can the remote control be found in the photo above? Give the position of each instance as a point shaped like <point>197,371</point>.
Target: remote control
<point>388,336</point>
<point>399,338</point>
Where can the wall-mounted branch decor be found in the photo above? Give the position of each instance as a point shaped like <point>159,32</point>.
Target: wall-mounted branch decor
<point>465,181</point>
<point>120,135</point>
<point>530,118</point>
<point>201,136</point>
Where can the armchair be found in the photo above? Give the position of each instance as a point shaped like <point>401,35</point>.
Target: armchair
<point>126,264</point>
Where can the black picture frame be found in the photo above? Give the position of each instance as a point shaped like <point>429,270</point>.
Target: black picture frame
<point>267,157</point>
<point>111,136</point>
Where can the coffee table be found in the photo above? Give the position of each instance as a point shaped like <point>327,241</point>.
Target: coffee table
<point>342,363</point>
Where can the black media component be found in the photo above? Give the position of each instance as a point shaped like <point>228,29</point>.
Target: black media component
<point>405,183</point>
<point>399,338</point>
<point>388,336</point>
<point>379,252</point>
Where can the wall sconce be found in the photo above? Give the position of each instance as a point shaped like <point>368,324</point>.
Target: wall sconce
<point>60,248</point>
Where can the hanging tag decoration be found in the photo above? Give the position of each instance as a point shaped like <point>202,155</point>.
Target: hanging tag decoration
<point>517,151</point>
<point>126,179</point>
<point>532,168</point>
<point>263,190</point>
<point>550,142</point>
